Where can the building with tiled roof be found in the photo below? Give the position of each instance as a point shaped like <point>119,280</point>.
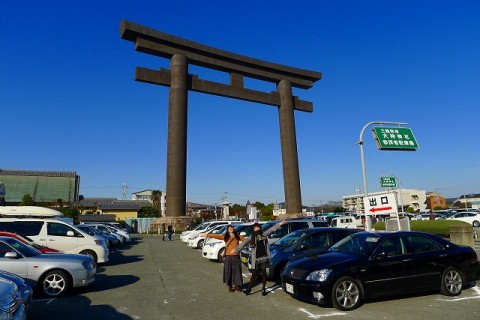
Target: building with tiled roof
<point>101,207</point>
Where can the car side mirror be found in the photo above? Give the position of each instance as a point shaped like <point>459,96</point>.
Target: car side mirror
<point>70,233</point>
<point>11,255</point>
<point>380,255</point>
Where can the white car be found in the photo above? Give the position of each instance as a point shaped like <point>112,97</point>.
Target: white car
<point>202,228</point>
<point>472,217</point>
<point>197,238</point>
<point>105,230</point>
<point>213,249</point>
<point>125,235</point>
<point>58,235</point>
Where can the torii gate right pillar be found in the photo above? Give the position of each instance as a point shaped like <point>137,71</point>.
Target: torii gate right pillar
<point>291,177</point>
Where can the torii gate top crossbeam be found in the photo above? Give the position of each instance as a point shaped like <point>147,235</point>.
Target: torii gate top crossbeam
<point>165,45</point>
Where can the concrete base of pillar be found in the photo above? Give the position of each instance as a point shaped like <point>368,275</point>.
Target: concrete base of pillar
<point>179,223</point>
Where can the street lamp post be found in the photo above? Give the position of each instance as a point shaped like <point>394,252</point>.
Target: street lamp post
<point>368,218</point>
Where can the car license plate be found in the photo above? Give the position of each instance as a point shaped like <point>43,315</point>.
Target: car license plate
<point>289,288</point>
<point>244,259</point>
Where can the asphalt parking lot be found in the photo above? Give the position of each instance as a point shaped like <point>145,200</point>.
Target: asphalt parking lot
<point>155,279</point>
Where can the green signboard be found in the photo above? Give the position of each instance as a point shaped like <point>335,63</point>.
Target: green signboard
<point>394,139</point>
<point>388,182</point>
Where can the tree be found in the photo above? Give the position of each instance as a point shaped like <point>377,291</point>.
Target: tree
<point>27,200</point>
<point>410,210</point>
<point>70,212</point>
<point>156,197</point>
<point>148,212</point>
<point>239,211</point>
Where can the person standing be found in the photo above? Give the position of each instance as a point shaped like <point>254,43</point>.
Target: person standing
<point>164,231</point>
<point>232,265</point>
<point>260,256</point>
<point>170,232</point>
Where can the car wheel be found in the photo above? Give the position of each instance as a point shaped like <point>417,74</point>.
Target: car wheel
<point>476,224</point>
<point>220,255</point>
<point>346,294</point>
<point>452,282</point>
<point>55,283</point>
<point>91,254</point>
<point>200,244</point>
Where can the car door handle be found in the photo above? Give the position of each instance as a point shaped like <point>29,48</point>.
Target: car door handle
<point>42,239</point>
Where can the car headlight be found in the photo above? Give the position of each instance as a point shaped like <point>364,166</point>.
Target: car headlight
<point>100,243</point>
<point>12,303</point>
<point>319,275</point>
<point>193,238</point>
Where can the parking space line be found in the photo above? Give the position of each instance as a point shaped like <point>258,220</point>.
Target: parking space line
<point>48,301</point>
<point>318,316</point>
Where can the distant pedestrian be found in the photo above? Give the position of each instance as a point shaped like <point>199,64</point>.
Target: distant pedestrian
<point>164,231</point>
<point>170,232</point>
<point>232,265</point>
<point>260,256</point>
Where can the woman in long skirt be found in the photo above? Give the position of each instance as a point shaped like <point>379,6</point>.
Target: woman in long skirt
<point>232,266</point>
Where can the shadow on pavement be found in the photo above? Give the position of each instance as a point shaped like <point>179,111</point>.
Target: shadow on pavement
<point>78,308</point>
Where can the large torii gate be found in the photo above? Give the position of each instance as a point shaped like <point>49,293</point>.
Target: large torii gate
<point>183,52</point>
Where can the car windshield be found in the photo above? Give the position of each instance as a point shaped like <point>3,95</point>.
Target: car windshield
<point>289,239</point>
<point>103,229</point>
<point>359,244</point>
<point>87,230</point>
<point>200,227</point>
<point>26,250</point>
<point>221,229</point>
<point>268,225</point>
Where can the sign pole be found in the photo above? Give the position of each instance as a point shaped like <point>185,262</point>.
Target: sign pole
<point>368,215</point>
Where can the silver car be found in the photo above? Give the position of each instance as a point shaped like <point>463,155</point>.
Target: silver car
<point>52,274</point>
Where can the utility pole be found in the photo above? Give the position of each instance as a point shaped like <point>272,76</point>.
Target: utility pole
<point>124,191</point>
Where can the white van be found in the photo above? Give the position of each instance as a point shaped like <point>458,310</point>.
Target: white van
<point>58,235</point>
<point>344,222</point>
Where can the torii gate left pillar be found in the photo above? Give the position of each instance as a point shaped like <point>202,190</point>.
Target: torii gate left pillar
<point>181,53</point>
<point>177,137</point>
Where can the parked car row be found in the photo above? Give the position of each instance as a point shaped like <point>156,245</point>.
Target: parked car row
<point>344,267</point>
<point>50,256</point>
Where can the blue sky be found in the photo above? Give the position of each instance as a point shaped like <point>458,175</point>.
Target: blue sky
<point>69,101</point>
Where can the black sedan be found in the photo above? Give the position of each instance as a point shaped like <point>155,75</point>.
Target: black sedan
<point>302,243</point>
<point>370,265</point>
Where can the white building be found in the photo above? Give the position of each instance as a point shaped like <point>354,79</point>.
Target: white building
<point>147,195</point>
<point>252,212</point>
<point>413,198</point>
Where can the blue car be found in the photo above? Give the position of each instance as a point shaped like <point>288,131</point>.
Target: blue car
<point>302,243</point>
